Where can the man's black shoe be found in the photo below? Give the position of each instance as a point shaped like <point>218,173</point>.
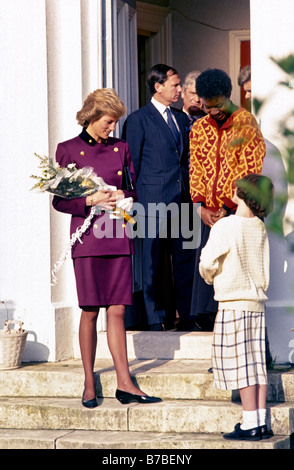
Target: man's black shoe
<point>187,325</point>
<point>156,327</point>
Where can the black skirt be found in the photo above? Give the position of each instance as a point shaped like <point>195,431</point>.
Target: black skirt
<point>203,294</point>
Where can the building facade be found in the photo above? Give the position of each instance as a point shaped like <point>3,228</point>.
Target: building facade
<point>53,53</point>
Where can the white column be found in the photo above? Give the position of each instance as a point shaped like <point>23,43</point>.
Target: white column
<point>110,44</point>
<point>124,66</point>
<point>92,51</point>
<point>65,98</point>
<point>272,35</point>
<point>134,104</point>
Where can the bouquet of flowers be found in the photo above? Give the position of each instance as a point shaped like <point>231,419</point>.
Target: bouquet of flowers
<point>70,183</point>
<point>66,182</point>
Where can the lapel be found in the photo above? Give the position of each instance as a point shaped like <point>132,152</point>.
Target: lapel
<point>163,126</point>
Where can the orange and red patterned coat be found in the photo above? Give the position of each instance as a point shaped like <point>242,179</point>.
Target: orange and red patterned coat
<point>218,157</point>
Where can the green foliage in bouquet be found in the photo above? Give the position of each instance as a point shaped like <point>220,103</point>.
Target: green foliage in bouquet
<point>68,182</point>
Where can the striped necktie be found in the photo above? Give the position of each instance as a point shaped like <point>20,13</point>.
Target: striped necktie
<point>173,128</point>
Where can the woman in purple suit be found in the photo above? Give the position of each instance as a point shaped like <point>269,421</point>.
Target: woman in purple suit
<point>102,262</point>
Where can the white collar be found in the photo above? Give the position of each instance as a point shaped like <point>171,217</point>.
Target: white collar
<point>159,106</point>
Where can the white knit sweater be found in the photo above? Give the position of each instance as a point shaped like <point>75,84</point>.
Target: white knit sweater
<point>236,261</point>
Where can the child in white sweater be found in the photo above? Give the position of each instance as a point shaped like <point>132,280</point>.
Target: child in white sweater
<point>236,261</point>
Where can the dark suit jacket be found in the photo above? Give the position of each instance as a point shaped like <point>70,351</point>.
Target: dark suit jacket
<point>162,172</point>
<point>107,160</point>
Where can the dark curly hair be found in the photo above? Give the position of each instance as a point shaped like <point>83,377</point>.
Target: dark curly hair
<point>257,191</point>
<point>212,83</point>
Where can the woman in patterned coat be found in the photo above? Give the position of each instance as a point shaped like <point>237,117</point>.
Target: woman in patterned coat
<point>225,145</point>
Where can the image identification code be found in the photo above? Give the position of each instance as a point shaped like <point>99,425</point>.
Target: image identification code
<point>148,459</point>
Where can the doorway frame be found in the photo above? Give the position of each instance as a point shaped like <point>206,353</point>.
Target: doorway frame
<point>235,39</point>
<point>154,22</point>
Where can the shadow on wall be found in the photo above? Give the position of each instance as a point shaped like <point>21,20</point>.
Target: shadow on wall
<point>34,349</point>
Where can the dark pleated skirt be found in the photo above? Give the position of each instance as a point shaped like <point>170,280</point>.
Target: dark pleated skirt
<point>203,294</point>
<point>104,280</point>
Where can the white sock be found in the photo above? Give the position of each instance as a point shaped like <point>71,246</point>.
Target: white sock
<point>261,417</point>
<point>250,420</point>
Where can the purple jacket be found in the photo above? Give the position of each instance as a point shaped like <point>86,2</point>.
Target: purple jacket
<point>107,160</point>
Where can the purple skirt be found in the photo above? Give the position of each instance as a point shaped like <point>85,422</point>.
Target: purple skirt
<point>104,280</point>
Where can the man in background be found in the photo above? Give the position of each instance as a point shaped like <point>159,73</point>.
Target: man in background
<point>158,137</point>
<point>192,105</point>
<point>244,81</point>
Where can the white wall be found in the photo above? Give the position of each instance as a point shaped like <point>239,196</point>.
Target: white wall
<point>272,35</point>
<point>25,216</point>
<point>201,32</point>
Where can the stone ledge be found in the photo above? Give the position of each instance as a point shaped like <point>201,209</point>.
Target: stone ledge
<point>169,416</point>
<point>169,379</point>
<point>107,440</point>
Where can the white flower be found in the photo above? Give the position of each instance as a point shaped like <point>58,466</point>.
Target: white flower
<point>71,166</point>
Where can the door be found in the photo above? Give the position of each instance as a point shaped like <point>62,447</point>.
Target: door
<point>239,57</point>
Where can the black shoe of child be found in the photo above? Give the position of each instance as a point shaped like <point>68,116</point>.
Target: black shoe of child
<point>253,434</point>
<point>266,433</point>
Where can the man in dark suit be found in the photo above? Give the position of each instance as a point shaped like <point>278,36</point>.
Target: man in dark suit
<point>160,158</point>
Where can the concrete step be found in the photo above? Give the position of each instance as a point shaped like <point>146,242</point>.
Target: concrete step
<point>169,379</point>
<point>107,440</point>
<point>169,416</point>
<point>40,404</point>
<point>160,345</point>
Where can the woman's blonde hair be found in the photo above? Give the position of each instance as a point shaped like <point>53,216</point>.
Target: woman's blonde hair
<point>101,102</point>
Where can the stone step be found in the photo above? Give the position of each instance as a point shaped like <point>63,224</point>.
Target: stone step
<point>169,416</point>
<point>107,440</point>
<point>169,379</point>
<point>160,345</point>
<point>41,408</point>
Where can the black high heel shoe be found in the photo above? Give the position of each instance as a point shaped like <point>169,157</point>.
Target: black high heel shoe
<point>125,398</point>
<point>90,403</point>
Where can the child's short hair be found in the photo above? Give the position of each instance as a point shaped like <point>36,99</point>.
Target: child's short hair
<point>257,191</point>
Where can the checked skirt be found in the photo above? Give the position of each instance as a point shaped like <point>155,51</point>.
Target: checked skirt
<point>238,349</point>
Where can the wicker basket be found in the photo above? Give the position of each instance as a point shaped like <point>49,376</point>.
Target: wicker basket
<point>12,344</point>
